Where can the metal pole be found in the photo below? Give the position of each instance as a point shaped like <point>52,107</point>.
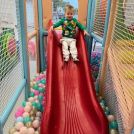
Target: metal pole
<point>1,127</point>
<point>41,37</point>
<point>22,14</point>
<point>90,21</point>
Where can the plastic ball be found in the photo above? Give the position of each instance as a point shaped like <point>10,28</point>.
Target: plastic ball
<point>113,125</point>
<point>103,101</point>
<point>18,114</point>
<point>36,92</point>
<point>29,103</point>
<point>41,94</point>
<point>37,118</point>
<point>28,124</point>
<point>12,130</point>
<point>113,131</point>
<point>35,97</point>
<point>19,125</point>
<point>43,81</point>
<point>31,131</point>
<point>23,130</point>
<point>31,83</point>
<point>41,85</point>
<point>32,113</point>
<point>20,109</point>
<point>32,118</point>
<point>35,87</point>
<point>34,110</point>
<point>27,108</point>
<point>36,124</point>
<point>16,132</point>
<point>27,119</point>
<point>19,119</point>
<point>25,114</point>
<point>34,104</point>
<point>41,89</point>
<point>110,118</point>
<point>31,99</point>
<point>32,94</point>
<point>24,103</point>
<point>38,114</point>
<point>39,106</point>
<point>36,132</point>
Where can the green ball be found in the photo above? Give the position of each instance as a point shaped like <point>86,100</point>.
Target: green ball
<point>43,81</point>
<point>103,101</point>
<point>113,125</point>
<point>27,119</point>
<point>41,89</point>
<point>24,103</point>
<point>107,111</point>
<point>32,94</point>
<point>34,104</point>
<point>39,106</point>
<point>40,98</point>
<point>35,86</point>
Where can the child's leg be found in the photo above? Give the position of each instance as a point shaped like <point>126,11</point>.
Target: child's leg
<point>73,50</point>
<point>65,50</point>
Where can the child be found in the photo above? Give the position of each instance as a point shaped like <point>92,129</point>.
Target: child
<point>68,40</point>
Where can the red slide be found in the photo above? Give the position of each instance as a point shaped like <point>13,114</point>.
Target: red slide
<point>71,104</point>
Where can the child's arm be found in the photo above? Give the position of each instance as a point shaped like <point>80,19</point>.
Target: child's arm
<point>59,23</point>
<point>82,27</point>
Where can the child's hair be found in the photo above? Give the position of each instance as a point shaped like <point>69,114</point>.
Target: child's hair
<point>69,7</point>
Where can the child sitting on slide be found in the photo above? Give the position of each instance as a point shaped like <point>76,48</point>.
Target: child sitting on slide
<point>68,40</point>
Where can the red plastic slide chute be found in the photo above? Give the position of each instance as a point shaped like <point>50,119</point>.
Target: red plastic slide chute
<point>71,104</point>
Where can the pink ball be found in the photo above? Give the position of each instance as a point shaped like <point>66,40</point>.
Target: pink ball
<point>23,130</point>
<point>41,94</point>
<point>110,118</point>
<point>32,90</point>
<point>25,114</point>
<point>40,85</point>
<point>19,125</point>
<point>18,114</point>
<point>36,123</point>
<point>36,92</point>
<point>27,108</point>
<point>37,79</point>
<point>21,109</point>
<point>43,102</point>
<point>31,131</point>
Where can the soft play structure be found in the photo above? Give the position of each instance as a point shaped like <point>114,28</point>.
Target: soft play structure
<point>41,94</point>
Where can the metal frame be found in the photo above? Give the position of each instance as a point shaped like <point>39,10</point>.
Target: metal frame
<point>22,8</point>
<point>41,38</point>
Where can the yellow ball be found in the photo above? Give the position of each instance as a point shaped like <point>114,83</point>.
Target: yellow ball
<point>12,130</point>
<point>113,131</point>
<point>28,125</point>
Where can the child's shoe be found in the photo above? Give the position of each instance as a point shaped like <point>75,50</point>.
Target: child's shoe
<point>75,59</point>
<point>66,59</point>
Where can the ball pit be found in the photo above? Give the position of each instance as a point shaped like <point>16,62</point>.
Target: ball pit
<point>95,64</point>
<point>28,116</point>
<point>113,125</point>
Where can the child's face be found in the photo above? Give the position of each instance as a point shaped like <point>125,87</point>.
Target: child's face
<point>69,14</point>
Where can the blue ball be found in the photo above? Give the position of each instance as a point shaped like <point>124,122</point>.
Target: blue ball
<point>19,119</point>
